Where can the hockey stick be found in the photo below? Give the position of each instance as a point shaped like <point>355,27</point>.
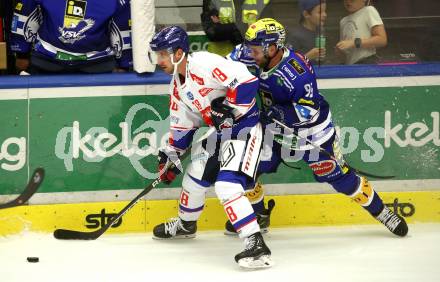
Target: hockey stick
<point>325,152</point>
<point>29,191</point>
<point>65,234</point>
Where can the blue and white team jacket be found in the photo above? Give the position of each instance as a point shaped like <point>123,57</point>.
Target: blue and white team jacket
<point>73,30</point>
<point>292,86</point>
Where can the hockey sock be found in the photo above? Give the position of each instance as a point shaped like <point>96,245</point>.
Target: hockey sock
<point>256,196</point>
<point>192,199</point>
<point>367,197</point>
<point>237,207</point>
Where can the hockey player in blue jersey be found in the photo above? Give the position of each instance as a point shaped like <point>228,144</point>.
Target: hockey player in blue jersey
<point>89,36</point>
<point>289,94</point>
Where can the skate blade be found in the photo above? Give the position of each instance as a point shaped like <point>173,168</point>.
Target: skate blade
<point>190,236</point>
<point>229,233</point>
<point>261,262</point>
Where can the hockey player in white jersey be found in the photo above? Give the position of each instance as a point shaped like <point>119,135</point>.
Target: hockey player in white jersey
<point>208,89</point>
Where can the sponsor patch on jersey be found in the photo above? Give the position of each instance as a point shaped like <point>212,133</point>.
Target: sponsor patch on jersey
<point>307,102</point>
<point>197,79</point>
<point>75,24</point>
<point>289,73</point>
<point>297,66</point>
<point>205,91</point>
<point>190,95</point>
<point>19,6</point>
<point>197,104</point>
<point>266,98</point>
<point>323,168</point>
<point>233,83</point>
<point>75,12</point>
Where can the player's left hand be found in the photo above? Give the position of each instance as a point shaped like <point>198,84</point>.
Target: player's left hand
<point>221,114</point>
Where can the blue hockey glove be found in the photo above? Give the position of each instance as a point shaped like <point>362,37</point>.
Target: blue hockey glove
<point>273,112</point>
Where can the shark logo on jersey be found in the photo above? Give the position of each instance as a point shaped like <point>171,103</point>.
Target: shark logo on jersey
<point>30,27</point>
<point>75,32</point>
<point>117,40</point>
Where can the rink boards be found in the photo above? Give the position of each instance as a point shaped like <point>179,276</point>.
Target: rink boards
<point>290,210</point>
<point>97,138</point>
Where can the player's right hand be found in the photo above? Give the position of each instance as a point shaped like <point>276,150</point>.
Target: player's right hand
<point>169,166</point>
<point>273,112</point>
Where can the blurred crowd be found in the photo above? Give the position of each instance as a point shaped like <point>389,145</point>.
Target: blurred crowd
<point>86,36</point>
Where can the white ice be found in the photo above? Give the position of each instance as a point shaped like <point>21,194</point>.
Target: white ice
<point>355,253</point>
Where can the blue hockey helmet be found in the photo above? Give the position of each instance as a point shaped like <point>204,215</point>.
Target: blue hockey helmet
<point>170,38</point>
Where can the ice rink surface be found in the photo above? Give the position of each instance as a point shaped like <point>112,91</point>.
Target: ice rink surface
<point>324,254</point>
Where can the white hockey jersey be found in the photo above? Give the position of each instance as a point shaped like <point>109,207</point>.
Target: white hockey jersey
<point>209,76</point>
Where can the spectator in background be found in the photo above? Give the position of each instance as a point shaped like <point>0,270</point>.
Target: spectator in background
<point>361,32</point>
<point>252,10</point>
<point>308,38</point>
<point>218,22</point>
<point>71,36</point>
<point>222,26</point>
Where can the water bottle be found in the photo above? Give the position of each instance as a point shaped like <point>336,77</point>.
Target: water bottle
<point>320,39</point>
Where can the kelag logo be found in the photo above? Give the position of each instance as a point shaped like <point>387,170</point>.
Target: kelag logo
<point>134,143</point>
<point>101,219</point>
<point>404,209</point>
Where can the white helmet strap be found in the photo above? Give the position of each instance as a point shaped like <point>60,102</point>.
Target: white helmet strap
<point>176,65</point>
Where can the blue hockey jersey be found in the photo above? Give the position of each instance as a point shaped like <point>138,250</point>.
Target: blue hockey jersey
<point>73,30</point>
<point>292,86</point>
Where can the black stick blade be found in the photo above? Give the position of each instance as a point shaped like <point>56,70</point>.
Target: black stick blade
<point>64,234</point>
<point>32,187</point>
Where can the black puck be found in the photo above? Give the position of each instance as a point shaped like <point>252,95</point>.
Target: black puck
<point>33,259</point>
